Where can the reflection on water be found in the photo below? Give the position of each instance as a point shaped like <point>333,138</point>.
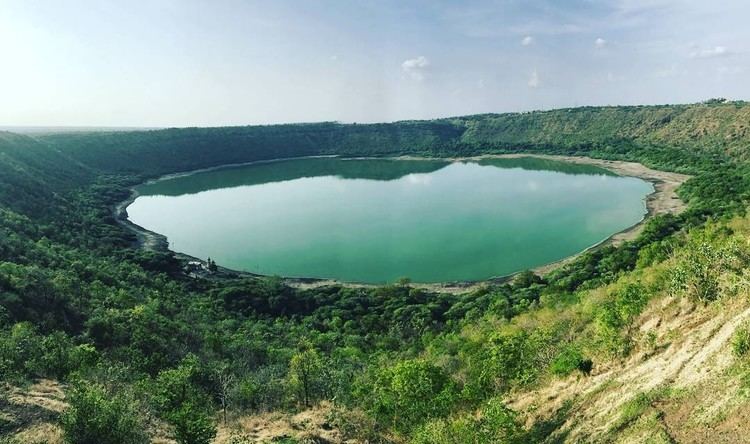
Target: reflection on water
<point>379,220</point>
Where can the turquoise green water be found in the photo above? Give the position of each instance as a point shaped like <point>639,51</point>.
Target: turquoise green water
<point>379,220</point>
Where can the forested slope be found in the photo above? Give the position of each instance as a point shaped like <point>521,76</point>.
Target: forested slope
<point>170,150</point>
<point>719,129</point>
<point>158,354</point>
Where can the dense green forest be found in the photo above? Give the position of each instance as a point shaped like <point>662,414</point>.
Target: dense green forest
<point>142,347</point>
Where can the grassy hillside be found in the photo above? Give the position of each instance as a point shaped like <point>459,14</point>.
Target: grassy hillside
<point>157,355</point>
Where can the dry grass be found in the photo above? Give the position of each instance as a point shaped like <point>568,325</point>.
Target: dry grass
<point>31,412</point>
<point>689,353</point>
<point>311,425</point>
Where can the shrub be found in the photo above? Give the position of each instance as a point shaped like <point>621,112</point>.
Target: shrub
<point>570,359</point>
<point>192,425</point>
<point>180,399</point>
<point>615,318</point>
<point>96,416</point>
<point>511,356</point>
<point>496,423</point>
<point>25,353</point>
<point>741,341</point>
<point>264,389</point>
<point>701,264</point>
<point>637,406</point>
<point>355,425</point>
<point>240,438</point>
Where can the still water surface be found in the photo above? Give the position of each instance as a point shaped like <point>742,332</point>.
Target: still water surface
<point>379,220</point>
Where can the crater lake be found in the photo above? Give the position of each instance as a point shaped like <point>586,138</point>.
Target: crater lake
<point>379,220</point>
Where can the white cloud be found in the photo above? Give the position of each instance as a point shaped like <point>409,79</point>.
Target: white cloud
<point>705,53</point>
<point>416,67</point>
<point>534,79</point>
<point>600,43</point>
<point>528,40</point>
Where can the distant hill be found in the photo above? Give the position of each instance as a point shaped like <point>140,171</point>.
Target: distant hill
<point>719,128</point>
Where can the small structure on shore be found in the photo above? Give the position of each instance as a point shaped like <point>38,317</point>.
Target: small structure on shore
<point>193,266</point>
<point>197,268</point>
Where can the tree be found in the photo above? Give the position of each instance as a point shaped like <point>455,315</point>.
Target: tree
<point>526,279</point>
<point>192,425</point>
<point>616,317</point>
<point>305,371</point>
<point>184,404</point>
<point>225,385</point>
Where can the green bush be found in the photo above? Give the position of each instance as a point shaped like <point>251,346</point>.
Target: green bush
<point>741,341</point>
<point>701,264</point>
<point>638,405</point>
<point>569,360</point>
<point>495,423</point>
<point>97,416</point>
<point>25,353</point>
<point>355,425</point>
<point>179,398</point>
<point>511,356</point>
<point>616,316</point>
<point>262,390</point>
<point>192,425</point>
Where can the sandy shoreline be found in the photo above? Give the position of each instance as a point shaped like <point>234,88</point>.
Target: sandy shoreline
<point>662,200</point>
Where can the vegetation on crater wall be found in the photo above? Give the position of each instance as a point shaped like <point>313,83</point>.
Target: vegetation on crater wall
<point>79,304</point>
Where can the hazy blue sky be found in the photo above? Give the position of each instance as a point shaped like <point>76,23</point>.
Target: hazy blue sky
<point>184,63</point>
